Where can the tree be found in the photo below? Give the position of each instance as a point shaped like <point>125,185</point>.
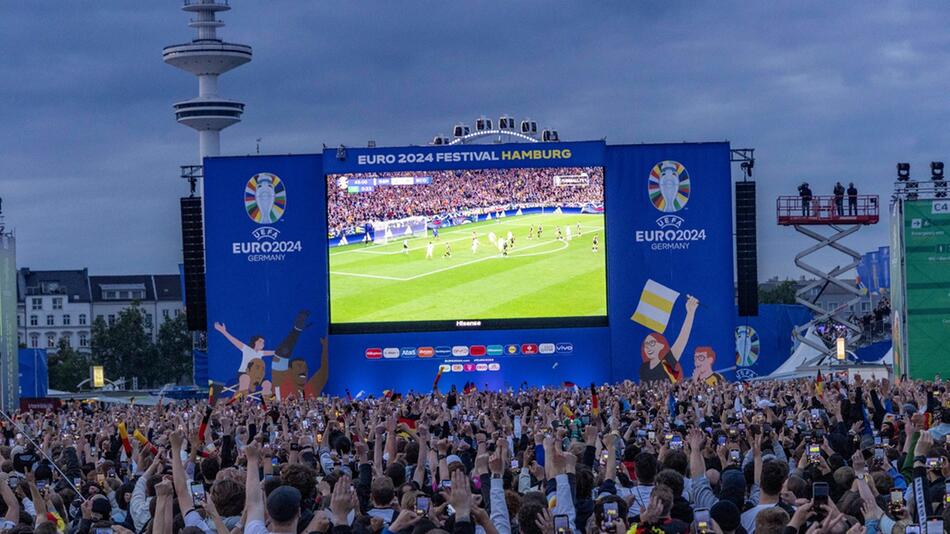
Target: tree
<point>783,293</point>
<point>174,350</point>
<point>132,348</point>
<point>67,367</point>
<point>101,348</point>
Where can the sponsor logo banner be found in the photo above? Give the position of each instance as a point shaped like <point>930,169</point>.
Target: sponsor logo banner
<point>564,347</point>
<point>374,353</point>
<point>481,367</point>
<point>494,367</point>
<point>477,350</point>
<point>390,352</point>
<point>546,348</point>
<point>442,352</point>
<point>469,367</point>
<point>511,350</point>
<point>460,350</point>
<point>457,368</point>
<point>529,349</point>
<point>407,352</point>
<point>426,352</point>
<point>495,350</point>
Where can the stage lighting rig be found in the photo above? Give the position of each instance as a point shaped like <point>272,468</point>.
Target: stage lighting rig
<point>940,182</point>
<point>903,172</point>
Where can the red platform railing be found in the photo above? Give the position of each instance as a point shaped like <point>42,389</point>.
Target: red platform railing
<point>793,210</point>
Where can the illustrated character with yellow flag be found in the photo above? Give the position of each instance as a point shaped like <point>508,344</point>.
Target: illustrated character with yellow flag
<point>661,361</point>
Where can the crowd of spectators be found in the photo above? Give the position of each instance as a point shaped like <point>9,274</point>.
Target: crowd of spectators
<point>764,458</point>
<point>459,191</point>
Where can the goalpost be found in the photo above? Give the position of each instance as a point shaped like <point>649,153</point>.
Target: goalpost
<point>399,229</point>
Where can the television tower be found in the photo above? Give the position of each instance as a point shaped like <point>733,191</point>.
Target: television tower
<point>207,57</point>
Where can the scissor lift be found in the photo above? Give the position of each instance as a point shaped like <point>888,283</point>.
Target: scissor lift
<point>807,218</point>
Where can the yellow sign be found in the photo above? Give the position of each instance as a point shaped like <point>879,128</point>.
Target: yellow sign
<point>840,347</point>
<point>98,376</point>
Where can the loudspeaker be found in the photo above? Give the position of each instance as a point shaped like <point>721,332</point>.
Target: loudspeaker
<point>193,252</point>
<point>747,265</point>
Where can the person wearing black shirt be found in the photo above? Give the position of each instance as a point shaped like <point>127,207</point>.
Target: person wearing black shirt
<point>805,193</point>
<point>852,199</point>
<point>839,199</point>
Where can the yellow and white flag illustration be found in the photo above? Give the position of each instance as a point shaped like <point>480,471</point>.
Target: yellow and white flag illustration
<point>656,303</point>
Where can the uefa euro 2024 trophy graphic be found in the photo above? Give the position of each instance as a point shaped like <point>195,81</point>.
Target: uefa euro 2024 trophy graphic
<point>264,196</point>
<point>669,187</point>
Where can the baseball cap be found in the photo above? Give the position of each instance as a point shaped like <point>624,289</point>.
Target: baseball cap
<point>283,504</point>
<point>452,458</point>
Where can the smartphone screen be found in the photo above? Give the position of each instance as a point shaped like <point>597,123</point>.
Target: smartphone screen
<point>734,456</point>
<point>946,497</point>
<point>935,525</point>
<point>702,520</point>
<point>676,442</point>
<point>721,440</point>
<point>422,505</point>
<point>514,464</point>
<point>610,512</point>
<point>651,435</point>
<point>819,492</point>
<point>814,452</point>
<point>878,453</point>
<point>912,529</point>
<point>897,496</point>
<point>561,524</point>
<point>274,461</point>
<point>198,495</point>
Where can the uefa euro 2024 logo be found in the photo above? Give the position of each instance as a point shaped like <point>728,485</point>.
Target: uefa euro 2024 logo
<point>668,186</point>
<point>265,198</point>
<point>265,201</point>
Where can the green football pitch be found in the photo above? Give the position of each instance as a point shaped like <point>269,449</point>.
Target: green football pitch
<point>539,278</point>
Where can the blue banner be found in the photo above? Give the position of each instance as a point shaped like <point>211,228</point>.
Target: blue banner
<point>874,271</point>
<point>764,342</point>
<point>266,273</point>
<point>34,378</point>
<point>670,290</point>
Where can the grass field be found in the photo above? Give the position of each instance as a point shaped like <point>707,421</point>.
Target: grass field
<point>539,277</point>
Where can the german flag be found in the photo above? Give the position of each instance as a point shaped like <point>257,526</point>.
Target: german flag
<point>124,436</point>
<point>214,392</point>
<point>594,401</point>
<point>438,376</point>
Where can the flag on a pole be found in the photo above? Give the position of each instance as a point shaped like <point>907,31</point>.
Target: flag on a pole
<point>656,304</point>
<point>819,384</point>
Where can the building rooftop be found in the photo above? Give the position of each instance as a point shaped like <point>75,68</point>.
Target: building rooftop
<point>72,284</point>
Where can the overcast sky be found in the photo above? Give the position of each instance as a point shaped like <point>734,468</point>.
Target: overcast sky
<point>90,150</point>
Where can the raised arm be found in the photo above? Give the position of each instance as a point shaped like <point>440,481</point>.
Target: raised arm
<point>162,522</point>
<point>253,501</point>
<point>680,345</point>
<point>220,327</point>
<point>182,491</point>
<point>13,507</point>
